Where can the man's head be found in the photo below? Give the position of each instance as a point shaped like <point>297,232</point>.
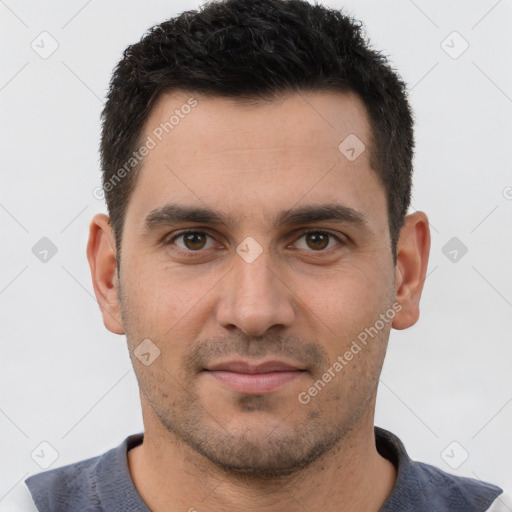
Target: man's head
<point>254,51</point>
<point>257,285</point>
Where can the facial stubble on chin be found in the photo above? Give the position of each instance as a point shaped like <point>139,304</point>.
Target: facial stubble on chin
<point>254,453</point>
<point>259,455</point>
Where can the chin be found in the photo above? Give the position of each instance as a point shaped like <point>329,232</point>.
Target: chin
<point>261,449</point>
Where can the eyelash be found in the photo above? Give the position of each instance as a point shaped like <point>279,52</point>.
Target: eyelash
<point>199,251</point>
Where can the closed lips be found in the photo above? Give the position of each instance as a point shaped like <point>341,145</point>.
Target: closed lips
<point>245,378</point>
<point>244,367</point>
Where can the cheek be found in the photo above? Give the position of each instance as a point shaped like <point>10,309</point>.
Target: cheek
<point>159,300</point>
<point>170,310</point>
<point>346,298</point>
<point>344,311</point>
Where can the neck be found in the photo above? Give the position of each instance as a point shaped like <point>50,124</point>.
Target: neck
<point>169,475</point>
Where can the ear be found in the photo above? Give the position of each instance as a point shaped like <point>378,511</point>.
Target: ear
<point>411,267</point>
<point>101,253</point>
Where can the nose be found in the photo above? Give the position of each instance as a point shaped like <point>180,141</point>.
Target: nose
<point>255,298</point>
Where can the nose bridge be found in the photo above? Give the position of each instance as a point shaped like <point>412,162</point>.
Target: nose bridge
<point>254,279</point>
<point>255,298</point>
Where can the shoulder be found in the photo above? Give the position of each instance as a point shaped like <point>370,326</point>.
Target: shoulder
<point>423,487</point>
<point>455,493</point>
<point>503,503</point>
<point>99,483</point>
<point>56,488</point>
<point>47,490</point>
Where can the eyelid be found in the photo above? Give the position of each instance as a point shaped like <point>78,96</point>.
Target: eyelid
<point>305,231</point>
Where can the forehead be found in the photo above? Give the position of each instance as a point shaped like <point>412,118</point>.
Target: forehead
<point>321,119</point>
<point>254,158</point>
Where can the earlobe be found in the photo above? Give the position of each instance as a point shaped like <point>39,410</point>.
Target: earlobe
<point>101,254</point>
<point>411,268</point>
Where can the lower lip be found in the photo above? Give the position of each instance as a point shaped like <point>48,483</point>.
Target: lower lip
<point>254,383</point>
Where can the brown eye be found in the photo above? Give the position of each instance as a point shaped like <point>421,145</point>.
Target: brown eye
<point>317,241</point>
<point>192,241</point>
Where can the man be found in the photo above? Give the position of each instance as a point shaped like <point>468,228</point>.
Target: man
<point>257,169</point>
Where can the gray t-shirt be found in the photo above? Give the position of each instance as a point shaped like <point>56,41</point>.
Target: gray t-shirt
<point>104,484</point>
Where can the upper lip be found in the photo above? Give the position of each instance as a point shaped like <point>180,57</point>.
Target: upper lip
<point>240,366</point>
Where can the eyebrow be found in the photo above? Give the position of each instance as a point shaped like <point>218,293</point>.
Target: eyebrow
<point>171,213</point>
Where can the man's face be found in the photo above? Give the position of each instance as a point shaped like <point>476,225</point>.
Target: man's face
<point>248,313</point>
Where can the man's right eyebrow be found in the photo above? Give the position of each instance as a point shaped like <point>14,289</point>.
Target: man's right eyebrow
<point>173,214</point>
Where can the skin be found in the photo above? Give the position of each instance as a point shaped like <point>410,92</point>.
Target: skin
<point>303,300</point>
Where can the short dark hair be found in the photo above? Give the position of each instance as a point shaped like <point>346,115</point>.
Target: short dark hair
<point>251,50</point>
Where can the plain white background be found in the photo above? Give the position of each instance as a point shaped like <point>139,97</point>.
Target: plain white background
<point>446,386</point>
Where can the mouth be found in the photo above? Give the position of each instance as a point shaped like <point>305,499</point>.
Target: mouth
<point>249,378</point>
